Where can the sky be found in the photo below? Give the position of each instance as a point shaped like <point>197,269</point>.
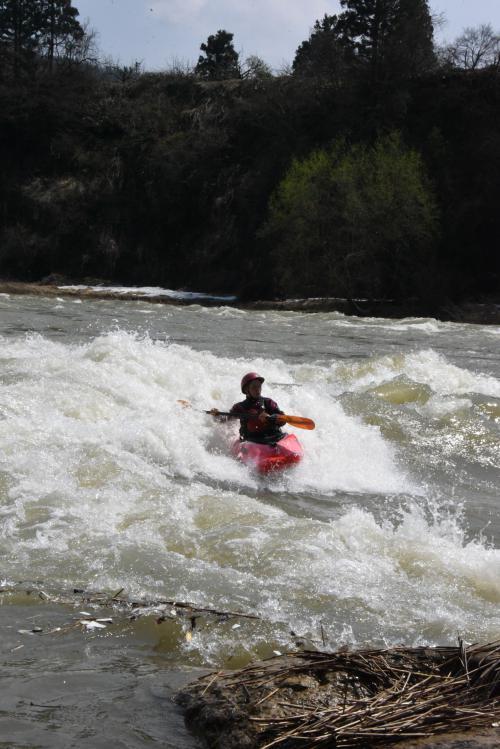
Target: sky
<point>161,32</point>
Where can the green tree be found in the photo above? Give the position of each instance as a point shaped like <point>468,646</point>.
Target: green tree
<point>220,60</point>
<point>354,221</point>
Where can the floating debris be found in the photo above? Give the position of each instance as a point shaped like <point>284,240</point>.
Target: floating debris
<point>92,624</point>
<point>130,609</point>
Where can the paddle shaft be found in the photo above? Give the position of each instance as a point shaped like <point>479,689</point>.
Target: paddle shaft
<point>301,422</point>
<point>297,421</point>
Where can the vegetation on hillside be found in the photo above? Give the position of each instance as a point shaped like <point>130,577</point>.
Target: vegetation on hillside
<point>369,169</point>
<point>358,221</point>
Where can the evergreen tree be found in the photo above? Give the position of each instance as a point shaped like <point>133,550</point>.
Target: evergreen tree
<point>61,27</point>
<point>393,37</point>
<point>220,60</point>
<point>410,48</point>
<point>327,52</point>
<point>36,26</point>
<point>21,24</point>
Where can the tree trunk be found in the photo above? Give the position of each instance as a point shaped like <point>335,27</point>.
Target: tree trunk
<point>16,23</point>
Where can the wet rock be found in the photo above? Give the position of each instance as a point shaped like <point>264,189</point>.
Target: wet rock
<point>218,720</point>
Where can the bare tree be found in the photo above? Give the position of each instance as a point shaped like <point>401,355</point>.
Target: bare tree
<point>477,47</point>
<point>255,67</point>
<point>178,66</point>
<point>82,50</point>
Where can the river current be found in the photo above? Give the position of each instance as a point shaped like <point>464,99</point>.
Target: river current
<point>388,532</point>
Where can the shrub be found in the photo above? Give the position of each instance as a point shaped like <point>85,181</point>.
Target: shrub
<point>354,221</point>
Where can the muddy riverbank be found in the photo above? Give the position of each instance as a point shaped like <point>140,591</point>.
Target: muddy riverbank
<point>484,313</point>
<point>432,697</point>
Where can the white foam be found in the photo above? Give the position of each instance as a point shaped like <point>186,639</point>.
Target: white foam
<point>153,291</point>
<point>426,367</point>
<point>437,406</point>
<point>431,368</point>
<point>106,479</point>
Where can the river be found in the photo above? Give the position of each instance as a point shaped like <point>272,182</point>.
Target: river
<point>388,531</point>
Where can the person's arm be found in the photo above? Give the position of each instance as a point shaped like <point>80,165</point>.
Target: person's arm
<point>236,409</point>
<point>217,415</point>
<point>272,407</point>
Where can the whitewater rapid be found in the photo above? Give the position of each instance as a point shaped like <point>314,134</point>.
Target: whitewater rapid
<point>386,533</point>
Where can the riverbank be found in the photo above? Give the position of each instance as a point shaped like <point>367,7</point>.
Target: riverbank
<point>424,697</point>
<point>483,313</point>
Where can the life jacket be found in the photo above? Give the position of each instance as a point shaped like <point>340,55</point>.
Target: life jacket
<point>252,428</point>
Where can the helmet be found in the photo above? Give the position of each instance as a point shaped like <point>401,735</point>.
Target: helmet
<point>247,379</point>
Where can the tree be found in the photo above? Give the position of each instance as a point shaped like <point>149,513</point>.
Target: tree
<point>21,25</point>
<point>256,68</point>
<point>354,221</point>
<point>327,52</point>
<point>82,48</point>
<point>475,48</point>
<point>393,37</point>
<point>29,27</point>
<point>410,46</point>
<point>61,28</point>
<point>220,60</point>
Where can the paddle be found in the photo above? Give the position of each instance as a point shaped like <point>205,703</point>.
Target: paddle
<point>301,422</point>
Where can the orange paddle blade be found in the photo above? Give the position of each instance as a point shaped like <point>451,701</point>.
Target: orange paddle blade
<point>301,422</point>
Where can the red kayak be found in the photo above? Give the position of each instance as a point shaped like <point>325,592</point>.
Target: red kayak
<point>266,458</point>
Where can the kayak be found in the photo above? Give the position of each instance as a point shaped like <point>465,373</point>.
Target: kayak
<point>266,458</point>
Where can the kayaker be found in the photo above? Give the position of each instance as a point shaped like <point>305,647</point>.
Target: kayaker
<point>262,425</point>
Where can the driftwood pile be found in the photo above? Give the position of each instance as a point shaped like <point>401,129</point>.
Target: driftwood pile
<point>348,699</point>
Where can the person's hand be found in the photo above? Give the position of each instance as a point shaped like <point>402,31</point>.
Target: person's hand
<point>214,412</point>
<point>277,419</point>
<point>263,417</point>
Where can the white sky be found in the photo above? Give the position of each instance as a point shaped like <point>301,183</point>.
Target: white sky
<point>157,32</point>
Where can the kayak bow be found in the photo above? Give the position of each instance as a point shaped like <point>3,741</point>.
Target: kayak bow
<point>269,458</point>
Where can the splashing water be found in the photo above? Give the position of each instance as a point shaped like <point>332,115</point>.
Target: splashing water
<point>108,482</point>
<point>387,532</point>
